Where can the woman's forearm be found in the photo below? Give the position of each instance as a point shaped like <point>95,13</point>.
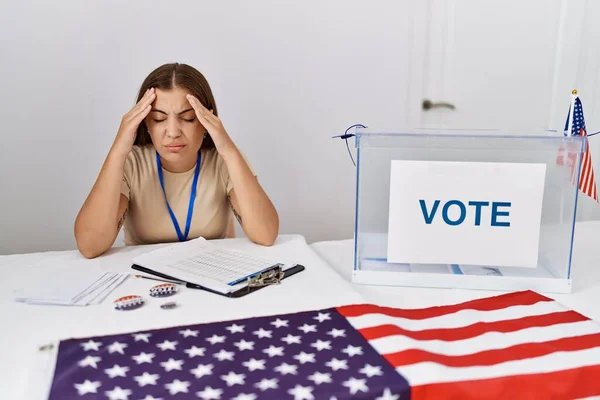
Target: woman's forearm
<point>257,215</point>
<point>97,223</point>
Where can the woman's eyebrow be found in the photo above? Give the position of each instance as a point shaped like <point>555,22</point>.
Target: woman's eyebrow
<point>179,113</point>
<point>184,111</point>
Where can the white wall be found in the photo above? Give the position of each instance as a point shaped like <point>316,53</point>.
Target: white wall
<point>286,75</point>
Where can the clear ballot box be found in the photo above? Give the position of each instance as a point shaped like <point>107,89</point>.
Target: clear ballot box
<point>475,210</point>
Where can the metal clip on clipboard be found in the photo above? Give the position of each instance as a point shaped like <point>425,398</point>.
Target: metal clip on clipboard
<point>270,277</point>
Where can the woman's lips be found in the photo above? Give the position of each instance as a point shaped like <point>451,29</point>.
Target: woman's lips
<point>174,148</point>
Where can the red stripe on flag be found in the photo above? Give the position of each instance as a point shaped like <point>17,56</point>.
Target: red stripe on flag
<point>474,330</point>
<point>524,298</point>
<point>585,173</point>
<point>497,356</point>
<point>587,181</point>
<point>566,384</point>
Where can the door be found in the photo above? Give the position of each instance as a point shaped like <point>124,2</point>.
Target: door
<point>479,65</point>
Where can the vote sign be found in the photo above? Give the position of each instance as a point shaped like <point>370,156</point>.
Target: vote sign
<point>473,213</point>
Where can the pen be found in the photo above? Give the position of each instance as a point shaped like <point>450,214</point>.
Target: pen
<point>160,280</point>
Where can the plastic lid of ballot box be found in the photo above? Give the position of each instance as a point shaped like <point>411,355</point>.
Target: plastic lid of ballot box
<point>466,209</point>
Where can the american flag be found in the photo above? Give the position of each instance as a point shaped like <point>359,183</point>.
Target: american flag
<point>587,181</point>
<point>516,345</point>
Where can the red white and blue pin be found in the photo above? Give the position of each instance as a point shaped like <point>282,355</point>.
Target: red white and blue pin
<point>163,290</point>
<point>128,302</point>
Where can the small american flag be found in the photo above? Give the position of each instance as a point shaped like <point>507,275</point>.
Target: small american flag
<point>587,181</point>
<point>517,345</point>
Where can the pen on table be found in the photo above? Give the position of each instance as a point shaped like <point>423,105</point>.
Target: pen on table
<point>160,280</point>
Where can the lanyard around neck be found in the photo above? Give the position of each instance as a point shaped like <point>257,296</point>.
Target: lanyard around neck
<point>188,221</point>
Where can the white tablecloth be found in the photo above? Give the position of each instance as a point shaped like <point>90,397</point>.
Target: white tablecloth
<point>325,283</point>
<point>26,327</point>
<point>585,297</point>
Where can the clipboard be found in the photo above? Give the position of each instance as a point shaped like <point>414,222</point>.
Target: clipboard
<point>270,277</point>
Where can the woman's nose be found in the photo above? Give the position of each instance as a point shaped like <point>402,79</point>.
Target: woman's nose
<point>173,128</point>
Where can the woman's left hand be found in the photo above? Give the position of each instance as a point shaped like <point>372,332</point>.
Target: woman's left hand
<point>212,123</point>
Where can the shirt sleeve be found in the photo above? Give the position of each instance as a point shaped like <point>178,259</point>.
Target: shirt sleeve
<point>127,174</point>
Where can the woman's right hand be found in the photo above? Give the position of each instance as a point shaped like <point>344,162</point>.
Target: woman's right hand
<point>127,131</point>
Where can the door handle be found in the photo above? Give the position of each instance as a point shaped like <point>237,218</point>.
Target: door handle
<point>427,105</point>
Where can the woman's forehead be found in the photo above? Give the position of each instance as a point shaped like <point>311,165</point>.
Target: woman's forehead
<point>172,100</point>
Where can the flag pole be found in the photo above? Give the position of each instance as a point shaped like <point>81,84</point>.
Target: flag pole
<point>571,111</point>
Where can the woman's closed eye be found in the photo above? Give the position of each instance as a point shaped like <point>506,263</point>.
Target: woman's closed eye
<point>163,120</point>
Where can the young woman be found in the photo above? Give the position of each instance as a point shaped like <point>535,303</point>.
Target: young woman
<point>173,173</point>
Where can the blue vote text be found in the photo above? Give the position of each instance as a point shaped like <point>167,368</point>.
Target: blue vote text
<point>500,212</point>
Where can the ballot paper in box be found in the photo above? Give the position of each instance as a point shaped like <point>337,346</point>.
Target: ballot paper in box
<point>476,210</point>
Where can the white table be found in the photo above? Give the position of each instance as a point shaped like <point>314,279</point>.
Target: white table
<point>26,327</point>
<point>585,297</point>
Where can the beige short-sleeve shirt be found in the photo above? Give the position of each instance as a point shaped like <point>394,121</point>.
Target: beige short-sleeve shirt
<point>147,219</point>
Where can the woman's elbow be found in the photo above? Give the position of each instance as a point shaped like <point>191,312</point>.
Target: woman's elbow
<point>267,241</point>
<point>87,249</point>
<point>88,253</point>
<point>268,236</point>
<point>88,244</point>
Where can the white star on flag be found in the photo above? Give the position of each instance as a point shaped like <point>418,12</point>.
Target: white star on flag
<point>90,361</point>
<point>356,385</point>
<point>371,371</point>
<point>303,357</point>
<point>337,333</point>
<point>210,394</point>
<point>117,370</point>
<point>291,339</point>
<point>285,369</point>
<point>262,333</point>
<point>233,379</point>
<point>322,345</point>
<point>87,387</point>
<point>273,351</point>
<point>244,345</point>
<point>177,386</point>
<point>336,364</point>
<point>144,358</point>
<point>254,364</point>
<point>167,345</point>
<point>202,370</point>
<point>353,351</point>
<point>387,395</point>
<point>172,364</point>
<point>214,339</point>
<point>319,378</point>
<point>280,323</point>
<point>146,379</point>
<point>195,351</point>
<point>302,392</point>
<point>144,337</point>
<point>266,384</point>
<point>188,333</point>
<point>306,328</point>
<point>235,328</point>
<point>118,393</point>
<point>117,347</point>
<point>224,355</point>
<point>245,396</point>
<point>91,345</point>
<point>322,317</point>
<point>150,397</point>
